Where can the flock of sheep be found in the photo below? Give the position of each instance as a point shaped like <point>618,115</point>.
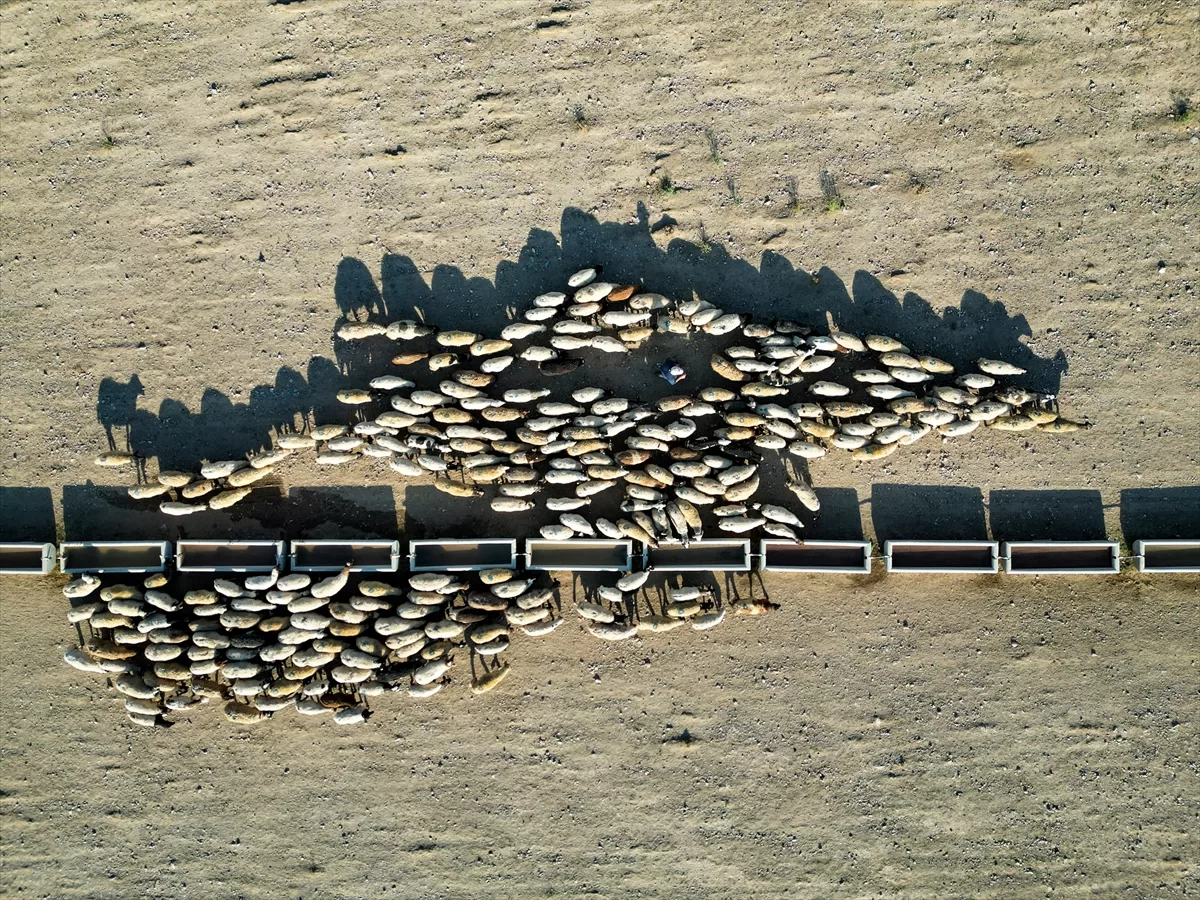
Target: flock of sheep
<point>275,642</point>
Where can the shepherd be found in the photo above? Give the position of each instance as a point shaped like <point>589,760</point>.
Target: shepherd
<point>672,371</point>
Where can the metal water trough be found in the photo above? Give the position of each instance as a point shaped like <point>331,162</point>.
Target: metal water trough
<point>113,556</point>
<point>462,555</point>
<point>331,556</point>
<point>949,557</point>
<point>848,557</point>
<point>1062,558</point>
<point>579,555</point>
<point>228,556</point>
<point>701,556</point>
<point>1167,556</point>
<point>27,559</point>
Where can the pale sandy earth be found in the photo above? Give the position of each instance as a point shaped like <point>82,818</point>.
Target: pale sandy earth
<point>194,194</point>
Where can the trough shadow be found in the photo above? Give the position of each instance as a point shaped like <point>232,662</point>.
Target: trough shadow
<point>927,513</point>
<point>1046,515</point>
<point>342,511</point>
<point>95,512</point>
<point>1160,514</point>
<point>27,514</point>
<point>840,518</point>
<point>104,513</point>
<point>430,514</point>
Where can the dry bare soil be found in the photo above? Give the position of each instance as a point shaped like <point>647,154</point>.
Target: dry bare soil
<point>195,194</point>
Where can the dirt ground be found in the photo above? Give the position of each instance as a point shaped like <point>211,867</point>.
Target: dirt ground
<point>195,195</point>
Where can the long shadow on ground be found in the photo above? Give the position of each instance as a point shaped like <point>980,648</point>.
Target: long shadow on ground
<point>180,436</point>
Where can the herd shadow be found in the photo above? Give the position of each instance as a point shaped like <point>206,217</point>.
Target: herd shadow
<point>220,428</point>
<point>180,436</point>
